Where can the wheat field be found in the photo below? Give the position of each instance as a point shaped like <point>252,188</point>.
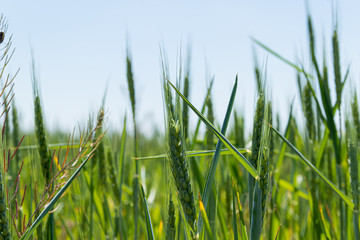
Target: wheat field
<point>297,179</point>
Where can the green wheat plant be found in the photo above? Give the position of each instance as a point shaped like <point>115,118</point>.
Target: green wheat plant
<point>177,158</point>
<point>131,88</point>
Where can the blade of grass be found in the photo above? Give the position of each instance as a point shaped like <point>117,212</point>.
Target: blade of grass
<point>345,198</point>
<point>149,227</point>
<point>121,171</point>
<point>122,158</point>
<point>279,56</point>
<point>244,162</point>
<point>195,153</point>
<point>280,160</point>
<point>202,111</point>
<point>256,220</point>
<point>301,70</point>
<point>321,151</point>
<point>205,219</point>
<point>214,162</point>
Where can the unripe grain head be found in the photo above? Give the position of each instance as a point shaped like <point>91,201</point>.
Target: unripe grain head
<point>210,117</point>
<point>170,227</point>
<point>45,156</point>
<point>130,81</point>
<point>180,171</point>
<point>257,130</point>
<point>177,157</point>
<point>337,69</point>
<point>355,114</point>
<point>309,113</point>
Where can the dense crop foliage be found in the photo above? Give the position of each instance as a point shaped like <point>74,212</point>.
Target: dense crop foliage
<point>294,180</point>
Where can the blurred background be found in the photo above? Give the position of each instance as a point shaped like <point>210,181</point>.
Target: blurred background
<point>80,48</point>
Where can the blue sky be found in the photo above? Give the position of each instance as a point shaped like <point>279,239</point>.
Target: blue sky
<point>80,46</point>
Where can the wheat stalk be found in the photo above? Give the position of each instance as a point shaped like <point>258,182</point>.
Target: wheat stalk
<point>177,157</point>
<point>112,175</point>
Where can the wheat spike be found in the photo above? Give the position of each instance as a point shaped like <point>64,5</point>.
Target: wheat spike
<point>355,114</point>
<point>257,128</point>
<point>180,171</point>
<point>185,108</point>
<point>210,117</point>
<point>309,113</point>
<point>337,69</point>
<point>170,227</point>
<point>44,153</point>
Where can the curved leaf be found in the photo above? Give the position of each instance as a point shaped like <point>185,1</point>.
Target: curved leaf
<point>149,227</point>
<point>345,198</point>
<point>244,162</point>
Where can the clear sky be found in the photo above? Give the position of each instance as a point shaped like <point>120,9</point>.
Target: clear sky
<point>80,46</point>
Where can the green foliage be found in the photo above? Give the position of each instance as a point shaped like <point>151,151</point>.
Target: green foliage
<point>298,183</point>
<point>180,171</point>
<point>4,225</point>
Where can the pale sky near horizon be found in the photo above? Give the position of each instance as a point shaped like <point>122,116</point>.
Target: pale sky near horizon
<point>80,47</point>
